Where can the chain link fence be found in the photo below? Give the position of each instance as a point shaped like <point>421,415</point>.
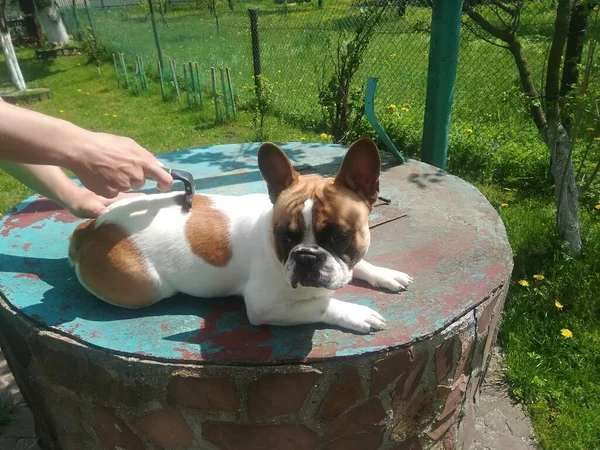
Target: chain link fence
<point>302,47</point>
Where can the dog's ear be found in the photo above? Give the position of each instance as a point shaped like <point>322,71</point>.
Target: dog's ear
<point>276,169</point>
<point>360,169</point>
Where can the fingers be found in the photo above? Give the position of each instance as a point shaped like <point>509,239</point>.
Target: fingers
<point>163,179</point>
<point>103,190</point>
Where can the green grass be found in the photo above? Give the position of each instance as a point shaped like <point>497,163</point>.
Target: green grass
<point>557,378</point>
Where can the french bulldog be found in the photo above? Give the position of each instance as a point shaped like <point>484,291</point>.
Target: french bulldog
<point>285,252</point>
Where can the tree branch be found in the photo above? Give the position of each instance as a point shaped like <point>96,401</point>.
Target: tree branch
<point>482,37</point>
<point>498,33</point>
<point>504,7</point>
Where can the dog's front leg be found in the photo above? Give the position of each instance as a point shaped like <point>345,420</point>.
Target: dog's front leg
<point>327,310</point>
<point>380,277</point>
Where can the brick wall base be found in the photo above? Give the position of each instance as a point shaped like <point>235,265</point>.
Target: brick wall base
<point>420,397</point>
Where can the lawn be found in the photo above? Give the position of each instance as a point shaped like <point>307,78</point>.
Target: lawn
<point>492,144</point>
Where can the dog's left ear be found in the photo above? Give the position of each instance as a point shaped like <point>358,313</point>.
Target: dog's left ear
<point>276,169</point>
<point>360,169</point>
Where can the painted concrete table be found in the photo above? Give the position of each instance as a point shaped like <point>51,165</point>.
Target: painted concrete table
<point>194,374</point>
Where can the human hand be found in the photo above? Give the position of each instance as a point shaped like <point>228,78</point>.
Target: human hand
<point>107,164</point>
<point>85,204</point>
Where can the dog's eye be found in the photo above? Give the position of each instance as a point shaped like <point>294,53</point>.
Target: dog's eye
<point>286,236</point>
<point>338,237</point>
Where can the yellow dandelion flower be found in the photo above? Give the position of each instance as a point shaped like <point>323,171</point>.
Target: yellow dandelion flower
<point>79,90</point>
<point>524,283</point>
<point>566,333</point>
<point>392,107</point>
<point>393,54</point>
<point>404,109</point>
<point>303,139</point>
<point>558,305</point>
<point>504,205</point>
<point>538,277</point>
<point>469,130</point>
<point>323,135</point>
<point>114,115</point>
<point>106,114</point>
<point>597,207</point>
<point>61,111</point>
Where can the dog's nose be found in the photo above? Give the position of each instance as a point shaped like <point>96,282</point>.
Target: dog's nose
<point>308,256</point>
<point>306,259</point>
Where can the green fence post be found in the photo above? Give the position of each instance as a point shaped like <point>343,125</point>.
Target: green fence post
<point>89,16</point>
<point>443,59</point>
<point>156,39</point>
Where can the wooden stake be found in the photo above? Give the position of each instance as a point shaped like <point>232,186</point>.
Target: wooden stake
<point>187,88</point>
<point>162,84</point>
<point>228,72</point>
<point>174,75</point>
<point>116,70</point>
<point>224,91</point>
<point>124,69</point>
<point>215,97</point>
<point>198,86</point>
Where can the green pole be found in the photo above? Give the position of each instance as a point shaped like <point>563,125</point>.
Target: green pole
<point>156,39</point>
<point>443,59</point>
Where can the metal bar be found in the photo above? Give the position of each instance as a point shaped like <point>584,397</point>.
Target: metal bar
<point>89,16</point>
<point>156,38</point>
<point>443,59</point>
<point>255,49</point>
<point>370,113</point>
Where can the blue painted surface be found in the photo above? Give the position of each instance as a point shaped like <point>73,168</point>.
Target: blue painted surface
<point>456,255</point>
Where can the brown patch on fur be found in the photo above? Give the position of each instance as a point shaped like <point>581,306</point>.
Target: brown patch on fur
<point>207,231</point>
<point>111,266</point>
<point>338,204</point>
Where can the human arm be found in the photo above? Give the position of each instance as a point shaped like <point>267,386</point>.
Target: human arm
<point>54,184</point>
<point>106,164</point>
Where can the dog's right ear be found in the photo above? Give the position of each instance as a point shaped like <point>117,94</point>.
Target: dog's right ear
<point>276,169</point>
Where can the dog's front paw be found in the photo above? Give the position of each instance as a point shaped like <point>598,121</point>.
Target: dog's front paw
<point>361,318</point>
<point>392,280</point>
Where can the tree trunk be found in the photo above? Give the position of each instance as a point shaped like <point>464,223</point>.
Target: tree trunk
<point>32,25</point>
<point>566,193</point>
<point>11,60</point>
<point>53,24</point>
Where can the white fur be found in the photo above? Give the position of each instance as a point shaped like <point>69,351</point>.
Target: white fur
<point>157,226</point>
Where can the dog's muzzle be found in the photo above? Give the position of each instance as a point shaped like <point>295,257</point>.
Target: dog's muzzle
<point>309,263</point>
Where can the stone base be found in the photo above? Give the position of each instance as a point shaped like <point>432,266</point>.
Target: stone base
<point>420,397</point>
<point>26,95</point>
<point>54,52</point>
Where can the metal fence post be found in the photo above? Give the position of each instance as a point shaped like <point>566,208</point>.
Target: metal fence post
<point>255,49</point>
<point>89,16</point>
<point>156,39</point>
<point>443,59</point>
